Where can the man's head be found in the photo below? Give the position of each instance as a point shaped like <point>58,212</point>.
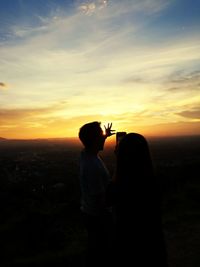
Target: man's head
<point>91,135</point>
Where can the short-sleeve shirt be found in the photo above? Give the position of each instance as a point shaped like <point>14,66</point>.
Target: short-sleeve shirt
<point>94,179</point>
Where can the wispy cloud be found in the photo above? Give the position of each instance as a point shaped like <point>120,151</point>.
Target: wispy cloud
<point>90,7</point>
<point>134,79</point>
<point>13,114</point>
<point>185,77</point>
<point>118,8</point>
<point>193,113</point>
<point>184,82</point>
<point>172,128</point>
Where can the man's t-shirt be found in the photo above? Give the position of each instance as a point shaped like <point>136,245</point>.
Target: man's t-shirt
<point>94,179</point>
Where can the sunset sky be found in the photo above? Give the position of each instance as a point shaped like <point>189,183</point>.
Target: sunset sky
<point>135,63</point>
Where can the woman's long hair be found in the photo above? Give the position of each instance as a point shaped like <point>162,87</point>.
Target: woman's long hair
<point>138,213</point>
<point>134,163</point>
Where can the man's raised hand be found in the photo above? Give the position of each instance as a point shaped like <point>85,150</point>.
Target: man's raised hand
<point>108,130</point>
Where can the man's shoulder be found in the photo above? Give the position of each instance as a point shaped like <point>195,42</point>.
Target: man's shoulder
<point>87,159</point>
<point>88,156</point>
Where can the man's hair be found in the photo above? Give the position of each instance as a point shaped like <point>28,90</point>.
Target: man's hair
<point>88,133</point>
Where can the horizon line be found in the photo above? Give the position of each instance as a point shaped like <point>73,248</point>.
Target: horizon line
<point>77,138</point>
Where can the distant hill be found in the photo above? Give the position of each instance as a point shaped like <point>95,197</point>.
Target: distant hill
<point>64,139</point>
<point>65,142</point>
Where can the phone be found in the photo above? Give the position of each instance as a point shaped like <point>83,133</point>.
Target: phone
<point>119,136</point>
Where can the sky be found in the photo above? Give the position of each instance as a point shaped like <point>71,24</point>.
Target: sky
<point>64,63</point>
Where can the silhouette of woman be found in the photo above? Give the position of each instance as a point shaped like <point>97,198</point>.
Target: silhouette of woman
<point>139,239</point>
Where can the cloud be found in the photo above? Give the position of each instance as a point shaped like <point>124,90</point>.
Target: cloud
<point>181,128</point>
<point>133,79</point>
<point>181,77</point>
<point>25,114</point>
<point>87,8</point>
<point>3,85</point>
<point>184,81</point>
<point>118,8</point>
<point>90,7</point>
<point>192,114</point>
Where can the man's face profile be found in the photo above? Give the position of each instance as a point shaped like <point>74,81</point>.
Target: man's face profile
<point>100,139</point>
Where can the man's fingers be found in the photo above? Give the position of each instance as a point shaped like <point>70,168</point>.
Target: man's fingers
<point>108,129</point>
<point>109,126</point>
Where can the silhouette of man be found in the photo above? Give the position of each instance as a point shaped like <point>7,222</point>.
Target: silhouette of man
<point>94,179</point>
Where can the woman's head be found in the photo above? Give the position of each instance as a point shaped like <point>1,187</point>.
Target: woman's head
<point>133,156</point>
<point>133,145</point>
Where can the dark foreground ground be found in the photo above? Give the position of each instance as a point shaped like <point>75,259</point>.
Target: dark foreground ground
<point>40,223</point>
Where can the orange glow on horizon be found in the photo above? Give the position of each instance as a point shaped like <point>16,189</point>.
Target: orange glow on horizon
<point>64,130</point>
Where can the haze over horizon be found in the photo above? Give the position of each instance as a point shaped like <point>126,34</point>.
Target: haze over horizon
<point>64,63</point>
